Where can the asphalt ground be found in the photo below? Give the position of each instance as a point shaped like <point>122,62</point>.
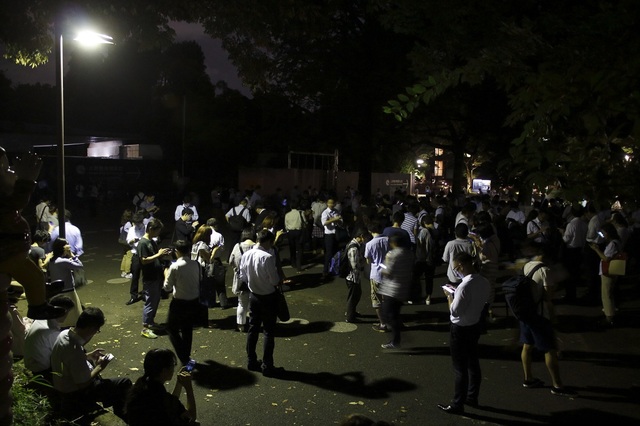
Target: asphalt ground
<point>334,368</point>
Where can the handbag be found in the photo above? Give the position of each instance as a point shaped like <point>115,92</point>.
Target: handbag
<point>79,278</point>
<point>240,285</point>
<point>283,308</point>
<point>616,266</point>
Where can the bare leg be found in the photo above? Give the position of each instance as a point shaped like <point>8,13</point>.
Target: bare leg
<point>526,357</point>
<point>551,360</point>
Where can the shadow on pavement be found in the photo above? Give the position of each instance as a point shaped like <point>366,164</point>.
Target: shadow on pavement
<point>213,375</point>
<point>352,383</point>
<point>297,328</point>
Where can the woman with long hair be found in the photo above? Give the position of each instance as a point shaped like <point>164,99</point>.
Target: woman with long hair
<point>61,267</point>
<point>149,403</point>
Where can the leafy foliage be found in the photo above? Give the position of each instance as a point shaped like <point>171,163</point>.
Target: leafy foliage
<point>568,69</point>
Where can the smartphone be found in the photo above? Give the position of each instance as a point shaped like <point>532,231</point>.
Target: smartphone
<point>189,366</point>
<point>601,234</point>
<point>109,357</point>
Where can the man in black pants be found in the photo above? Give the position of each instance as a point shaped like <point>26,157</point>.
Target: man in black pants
<point>466,305</point>
<point>295,225</point>
<point>183,278</point>
<point>258,269</point>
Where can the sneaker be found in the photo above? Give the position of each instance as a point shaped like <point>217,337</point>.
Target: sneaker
<point>127,276</point>
<point>123,274</point>
<point>427,301</point>
<point>533,383</point>
<point>390,345</point>
<point>382,328</point>
<point>148,334</point>
<point>563,392</point>
<point>189,366</point>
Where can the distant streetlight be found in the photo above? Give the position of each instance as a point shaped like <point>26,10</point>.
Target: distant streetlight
<point>419,162</point>
<point>86,38</point>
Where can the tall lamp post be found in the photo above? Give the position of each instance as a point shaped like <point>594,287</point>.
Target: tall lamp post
<point>87,38</point>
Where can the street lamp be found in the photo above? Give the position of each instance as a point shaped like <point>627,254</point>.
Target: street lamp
<point>86,38</point>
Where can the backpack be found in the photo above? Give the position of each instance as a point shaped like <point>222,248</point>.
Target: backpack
<point>340,262</point>
<point>517,294</point>
<point>138,199</point>
<point>237,222</point>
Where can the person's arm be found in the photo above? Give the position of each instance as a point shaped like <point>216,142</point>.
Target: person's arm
<point>568,233</point>
<point>352,254</point>
<point>599,252</point>
<point>44,263</point>
<point>170,279</point>
<point>132,239</point>
<point>183,380</point>
<point>79,245</point>
<point>146,258</point>
<point>457,302</point>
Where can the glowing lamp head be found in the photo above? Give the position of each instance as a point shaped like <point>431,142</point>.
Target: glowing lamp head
<point>90,38</point>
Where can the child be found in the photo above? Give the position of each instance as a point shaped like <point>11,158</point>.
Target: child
<point>16,187</point>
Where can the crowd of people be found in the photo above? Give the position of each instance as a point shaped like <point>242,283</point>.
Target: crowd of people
<point>400,240</point>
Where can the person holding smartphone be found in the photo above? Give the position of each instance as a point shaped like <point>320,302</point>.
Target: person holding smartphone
<point>149,403</point>
<point>77,374</point>
<point>608,282</point>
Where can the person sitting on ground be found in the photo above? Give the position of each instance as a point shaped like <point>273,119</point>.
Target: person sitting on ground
<point>41,337</point>
<point>16,186</point>
<point>37,252</point>
<point>77,373</point>
<point>61,267</point>
<point>149,403</point>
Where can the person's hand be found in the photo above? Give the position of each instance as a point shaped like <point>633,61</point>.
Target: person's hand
<point>27,166</point>
<point>103,361</point>
<point>184,378</point>
<point>196,223</point>
<point>95,355</point>
<point>164,251</point>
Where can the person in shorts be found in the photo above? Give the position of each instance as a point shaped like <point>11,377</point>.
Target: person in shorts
<point>538,332</point>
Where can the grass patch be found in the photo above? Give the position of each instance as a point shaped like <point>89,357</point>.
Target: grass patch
<point>29,407</point>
